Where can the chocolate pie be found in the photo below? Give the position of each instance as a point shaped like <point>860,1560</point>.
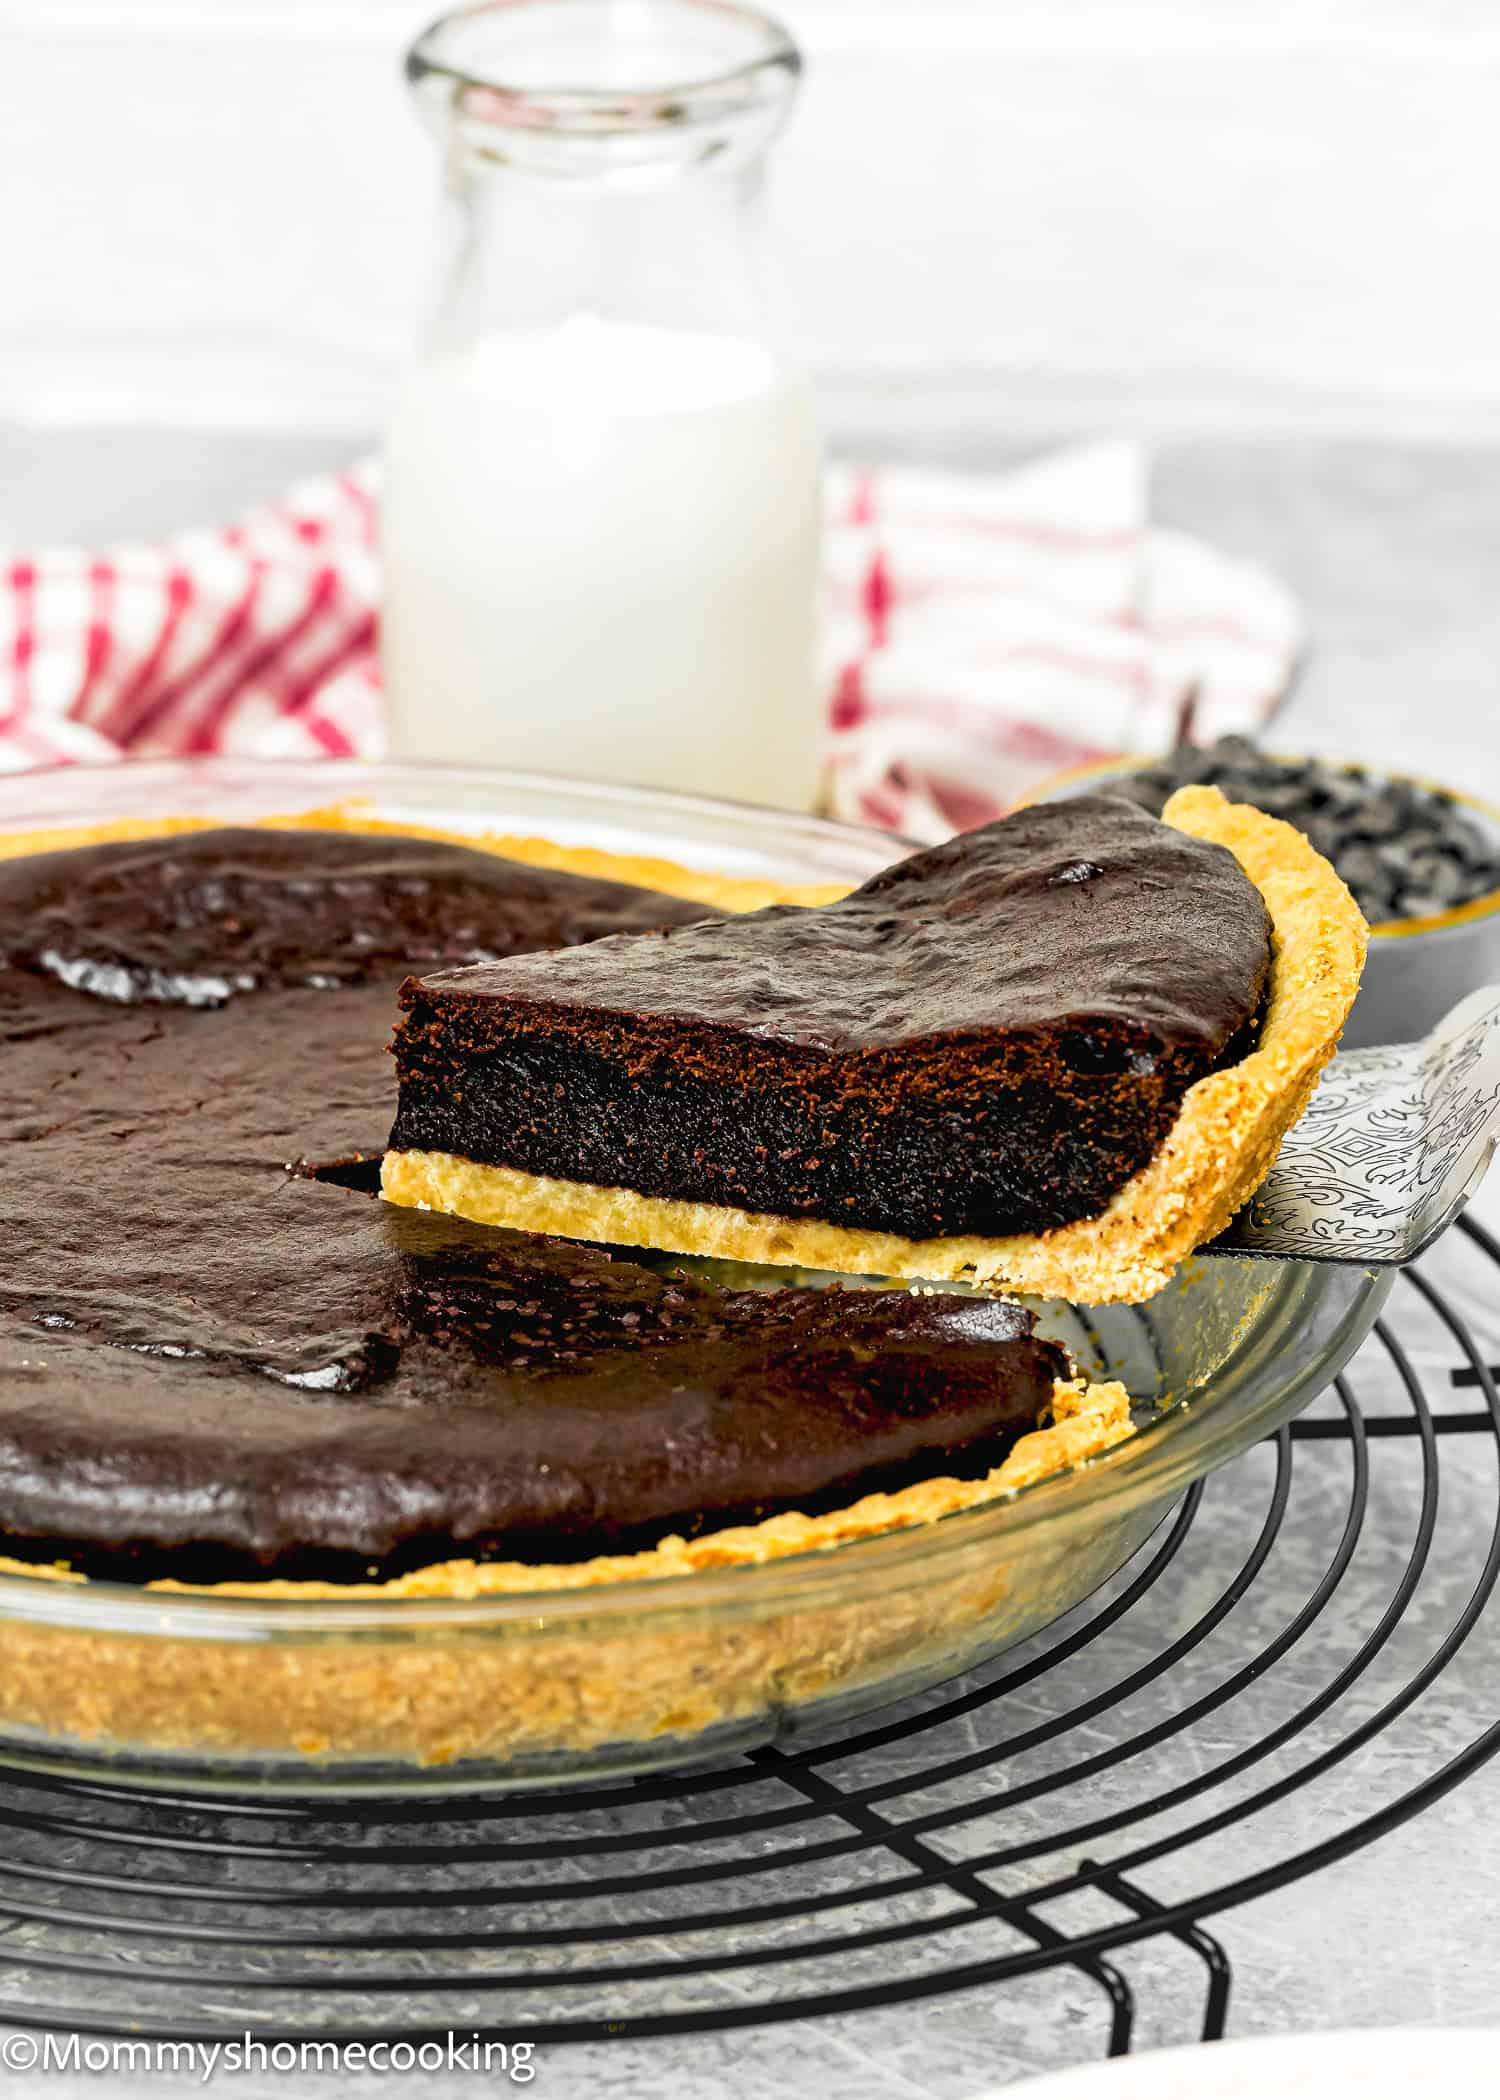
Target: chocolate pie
<point>1053,1055</point>
<point>221,1360</point>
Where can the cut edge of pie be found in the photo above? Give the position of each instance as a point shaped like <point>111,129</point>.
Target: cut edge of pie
<point>1220,1148</point>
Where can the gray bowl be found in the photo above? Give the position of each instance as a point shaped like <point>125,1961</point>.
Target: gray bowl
<point>1417,969</point>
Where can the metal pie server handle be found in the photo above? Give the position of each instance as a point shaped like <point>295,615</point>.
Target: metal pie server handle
<point>1389,1150</point>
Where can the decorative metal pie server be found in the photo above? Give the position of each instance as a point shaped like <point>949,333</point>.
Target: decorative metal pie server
<point>1394,1142</point>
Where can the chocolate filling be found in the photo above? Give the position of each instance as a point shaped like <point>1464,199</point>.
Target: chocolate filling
<point>210,1366</point>
<point>991,1037</point>
<point>476,1394</point>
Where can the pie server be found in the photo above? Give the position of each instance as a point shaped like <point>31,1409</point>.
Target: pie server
<point>1389,1150</point>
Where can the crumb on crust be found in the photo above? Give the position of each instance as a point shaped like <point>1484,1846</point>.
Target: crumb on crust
<point>1219,1150</point>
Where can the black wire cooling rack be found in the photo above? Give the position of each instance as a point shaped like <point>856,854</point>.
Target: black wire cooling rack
<point>1241,1707</point>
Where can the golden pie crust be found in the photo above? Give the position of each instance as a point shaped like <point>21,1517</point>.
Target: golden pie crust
<point>1219,1150</point>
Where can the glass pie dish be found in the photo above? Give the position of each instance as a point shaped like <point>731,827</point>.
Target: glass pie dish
<point>382,1693</point>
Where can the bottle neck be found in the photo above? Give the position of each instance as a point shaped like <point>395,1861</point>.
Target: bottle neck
<point>532,249</point>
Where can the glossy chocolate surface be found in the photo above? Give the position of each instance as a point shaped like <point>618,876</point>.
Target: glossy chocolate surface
<point>991,1037</point>
<point>212,1366</point>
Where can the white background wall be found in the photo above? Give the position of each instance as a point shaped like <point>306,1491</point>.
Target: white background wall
<point>1159,212</point>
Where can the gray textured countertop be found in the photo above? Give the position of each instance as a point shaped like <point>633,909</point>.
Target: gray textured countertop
<point>1394,550</point>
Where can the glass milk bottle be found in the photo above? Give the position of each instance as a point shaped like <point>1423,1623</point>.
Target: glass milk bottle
<point>602,481</point>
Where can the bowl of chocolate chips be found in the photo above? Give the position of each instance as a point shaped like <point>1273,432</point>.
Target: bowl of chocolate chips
<point>1423,862</point>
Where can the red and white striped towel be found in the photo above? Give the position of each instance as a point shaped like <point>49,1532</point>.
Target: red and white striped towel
<point>981,633</point>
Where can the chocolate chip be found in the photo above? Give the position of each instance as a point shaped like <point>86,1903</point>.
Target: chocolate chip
<point>1359,866</point>
<point>1436,875</point>
<point>1325,835</point>
<point>1378,818</point>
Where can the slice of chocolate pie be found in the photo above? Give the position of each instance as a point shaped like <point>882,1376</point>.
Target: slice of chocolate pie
<point>1053,1055</point>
